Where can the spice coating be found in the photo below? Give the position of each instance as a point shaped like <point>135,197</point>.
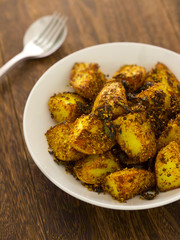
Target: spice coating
<point>135,136</point>
<point>94,168</point>
<point>87,79</point>
<point>88,135</point>
<point>167,167</point>
<point>171,133</point>
<point>64,106</point>
<point>58,140</point>
<point>132,75</point>
<point>127,183</point>
<point>113,94</point>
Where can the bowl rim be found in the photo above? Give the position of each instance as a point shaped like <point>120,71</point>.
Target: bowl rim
<point>61,186</point>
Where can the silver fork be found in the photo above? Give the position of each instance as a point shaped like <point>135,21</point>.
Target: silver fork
<point>43,44</point>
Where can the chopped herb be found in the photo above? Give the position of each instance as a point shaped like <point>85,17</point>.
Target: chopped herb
<point>85,108</point>
<point>109,129</point>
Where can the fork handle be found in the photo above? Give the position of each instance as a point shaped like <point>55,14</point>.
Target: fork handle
<point>12,63</point>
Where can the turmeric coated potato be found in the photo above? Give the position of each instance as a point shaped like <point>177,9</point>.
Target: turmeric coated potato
<point>127,183</point>
<point>64,106</point>
<point>113,95</point>
<point>88,135</point>
<point>157,97</point>
<point>167,167</point>
<point>171,133</point>
<point>157,102</point>
<point>133,75</point>
<point>58,140</point>
<point>87,79</point>
<point>161,74</point>
<point>135,137</point>
<point>94,168</point>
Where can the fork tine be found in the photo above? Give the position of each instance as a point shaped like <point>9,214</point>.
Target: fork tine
<point>55,31</point>
<point>47,28</point>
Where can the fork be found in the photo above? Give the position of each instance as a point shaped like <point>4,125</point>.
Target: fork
<point>45,43</point>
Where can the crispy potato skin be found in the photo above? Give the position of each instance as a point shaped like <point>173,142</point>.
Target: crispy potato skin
<point>161,74</point>
<point>94,168</point>
<point>133,74</point>
<point>127,183</point>
<point>88,136</point>
<point>167,167</point>
<point>58,140</point>
<point>135,137</point>
<point>112,94</point>
<point>171,133</point>
<point>64,107</point>
<point>87,79</point>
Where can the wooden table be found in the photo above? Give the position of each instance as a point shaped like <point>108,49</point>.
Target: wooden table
<point>31,206</point>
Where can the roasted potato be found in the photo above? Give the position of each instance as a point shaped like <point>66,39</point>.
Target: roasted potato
<point>64,106</point>
<point>88,135</point>
<point>135,136</point>
<point>94,168</point>
<point>161,74</point>
<point>171,133</point>
<point>112,95</point>
<point>58,140</point>
<point>87,79</point>
<point>157,102</point>
<point>167,167</point>
<point>127,183</point>
<point>133,76</point>
<point>157,97</point>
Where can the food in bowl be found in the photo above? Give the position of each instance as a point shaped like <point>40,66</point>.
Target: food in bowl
<point>115,136</point>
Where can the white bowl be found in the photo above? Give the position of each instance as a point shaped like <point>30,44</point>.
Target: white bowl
<point>37,119</point>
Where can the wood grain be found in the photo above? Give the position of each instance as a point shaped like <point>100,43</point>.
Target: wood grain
<point>31,206</point>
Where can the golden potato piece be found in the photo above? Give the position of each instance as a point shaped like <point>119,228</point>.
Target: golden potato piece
<point>58,140</point>
<point>134,76</point>
<point>157,101</point>
<point>161,74</point>
<point>94,168</point>
<point>158,97</point>
<point>167,167</point>
<point>87,79</point>
<point>113,94</point>
<point>88,135</point>
<point>135,136</point>
<point>127,183</point>
<point>171,133</point>
<point>64,106</point>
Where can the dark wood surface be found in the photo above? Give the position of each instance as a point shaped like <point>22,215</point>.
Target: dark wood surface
<point>31,207</point>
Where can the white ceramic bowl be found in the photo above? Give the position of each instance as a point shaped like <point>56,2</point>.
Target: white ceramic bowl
<point>37,119</point>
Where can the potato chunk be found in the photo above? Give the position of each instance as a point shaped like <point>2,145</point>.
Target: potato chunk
<point>58,140</point>
<point>64,106</point>
<point>127,183</point>
<point>94,168</point>
<point>171,133</point>
<point>133,75</point>
<point>135,136</point>
<point>158,97</point>
<point>113,94</point>
<point>167,167</point>
<point>88,135</point>
<point>87,79</point>
<point>157,102</point>
<point>161,74</point>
